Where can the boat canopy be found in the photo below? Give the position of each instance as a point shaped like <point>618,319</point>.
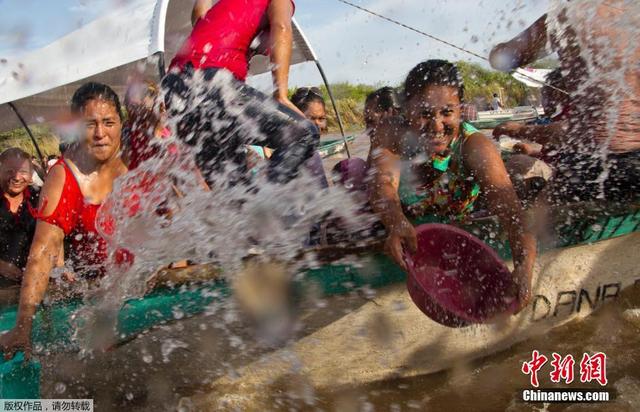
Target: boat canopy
<point>135,36</point>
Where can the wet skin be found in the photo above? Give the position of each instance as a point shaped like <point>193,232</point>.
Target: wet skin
<point>15,176</point>
<point>317,114</point>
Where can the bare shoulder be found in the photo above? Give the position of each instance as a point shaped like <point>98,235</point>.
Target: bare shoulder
<point>52,190</point>
<point>479,151</point>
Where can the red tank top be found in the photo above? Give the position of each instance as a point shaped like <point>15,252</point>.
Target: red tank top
<point>222,37</point>
<point>77,219</point>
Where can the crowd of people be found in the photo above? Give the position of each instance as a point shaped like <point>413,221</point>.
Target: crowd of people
<point>425,162</point>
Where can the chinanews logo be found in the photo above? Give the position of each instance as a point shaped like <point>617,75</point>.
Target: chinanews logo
<point>592,369</point>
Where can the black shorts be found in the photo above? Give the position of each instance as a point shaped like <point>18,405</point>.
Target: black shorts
<point>219,115</point>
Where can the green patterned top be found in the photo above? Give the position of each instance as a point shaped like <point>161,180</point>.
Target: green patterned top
<point>451,196</point>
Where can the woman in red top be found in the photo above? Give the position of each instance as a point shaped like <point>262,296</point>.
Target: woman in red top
<point>211,106</point>
<point>73,191</point>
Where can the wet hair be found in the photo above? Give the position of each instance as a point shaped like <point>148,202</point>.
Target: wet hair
<point>386,98</point>
<point>92,91</point>
<point>433,72</point>
<point>306,95</point>
<point>16,153</point>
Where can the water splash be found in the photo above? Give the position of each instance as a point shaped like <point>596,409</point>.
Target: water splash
<point>599,52</point>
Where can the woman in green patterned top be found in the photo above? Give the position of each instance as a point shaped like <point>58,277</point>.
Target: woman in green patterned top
<point>430,165</point>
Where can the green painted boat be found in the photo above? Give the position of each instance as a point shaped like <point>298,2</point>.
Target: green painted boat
<point>54,325</point>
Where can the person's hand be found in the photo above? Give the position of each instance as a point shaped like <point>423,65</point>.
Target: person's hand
<point>525,148</point>
<point>522,278</point>
<point>283,100</point>
<point>510,129</point>
<point>17,339</point>
<point>503,58</point>
<point>69,276</point>
<point>402,235</point>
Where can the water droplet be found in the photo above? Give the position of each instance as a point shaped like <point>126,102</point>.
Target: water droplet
<point>177,313</point>
<point>60,387</point>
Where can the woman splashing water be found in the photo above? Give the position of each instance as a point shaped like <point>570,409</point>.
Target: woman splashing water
<point>428,162</point>
<point>72,194</point>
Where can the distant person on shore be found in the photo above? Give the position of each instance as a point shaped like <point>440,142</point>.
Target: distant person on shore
<point>17,213</point>
<point>599,144</point>
<point>496,103</point>
<point>432,166</point>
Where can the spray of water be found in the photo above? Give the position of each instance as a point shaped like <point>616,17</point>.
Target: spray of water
<point>160,213</point>
<point>599,52</point>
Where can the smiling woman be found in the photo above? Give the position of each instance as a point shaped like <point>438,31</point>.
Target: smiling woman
<point>72,194</point>
<point>430,165</point>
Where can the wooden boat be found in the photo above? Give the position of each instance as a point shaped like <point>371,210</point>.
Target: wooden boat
<point>596,262</point>
<point>569,284</point>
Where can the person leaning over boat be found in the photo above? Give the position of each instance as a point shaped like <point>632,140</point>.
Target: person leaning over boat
<point>212,108</point>
<point>310,102</point>
<point>379,105</point>
<point>429,164</point>
<point>17,213</point>
<point>531,164</point>
<point>599,145</point>
<point>496,104</point>
<point>72,194</point>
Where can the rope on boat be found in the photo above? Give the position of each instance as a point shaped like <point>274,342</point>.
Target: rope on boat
<point>442,41</point>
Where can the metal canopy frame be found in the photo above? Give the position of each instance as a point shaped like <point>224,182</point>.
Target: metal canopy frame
<point>161,11</point>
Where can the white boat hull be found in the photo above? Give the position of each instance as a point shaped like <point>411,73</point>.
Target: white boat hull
<point>568,284</point>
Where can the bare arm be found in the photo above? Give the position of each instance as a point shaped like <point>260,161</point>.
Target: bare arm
<point>553,133</point>
<point>281,38</point>
<point>43,256</point>
<point>484,161</point>
<point>527,47</point>
<point>200,8</point>
<point>9,270</point>
<point>383,193</point>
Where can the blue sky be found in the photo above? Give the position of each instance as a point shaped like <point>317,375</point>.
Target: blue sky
<point>351,45</point>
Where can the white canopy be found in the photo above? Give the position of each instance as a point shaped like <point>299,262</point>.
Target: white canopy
<point>109,49</point>
<point>531,77</point>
